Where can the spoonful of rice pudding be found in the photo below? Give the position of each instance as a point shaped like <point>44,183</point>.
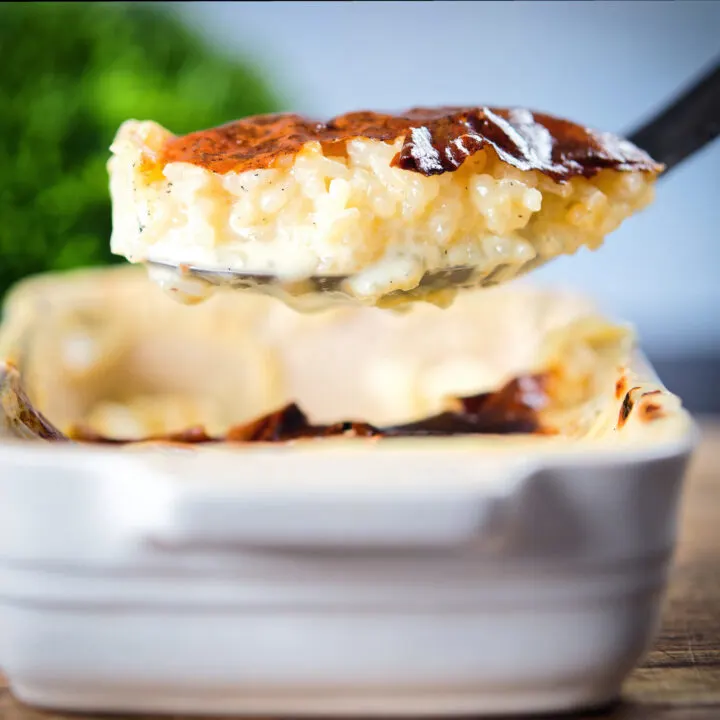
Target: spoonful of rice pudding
<point>368,208</point>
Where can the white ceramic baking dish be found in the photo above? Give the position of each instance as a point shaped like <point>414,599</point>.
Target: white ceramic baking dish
<point>414,576</point>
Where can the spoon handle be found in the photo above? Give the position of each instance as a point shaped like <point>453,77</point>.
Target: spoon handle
<point>685,125</point>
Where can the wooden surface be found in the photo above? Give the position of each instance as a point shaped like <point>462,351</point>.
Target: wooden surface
<point>680,678</point>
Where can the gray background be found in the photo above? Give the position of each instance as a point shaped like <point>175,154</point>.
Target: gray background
<point>605,64</point>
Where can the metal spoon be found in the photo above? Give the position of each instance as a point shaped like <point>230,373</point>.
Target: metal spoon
<point>677,131</point>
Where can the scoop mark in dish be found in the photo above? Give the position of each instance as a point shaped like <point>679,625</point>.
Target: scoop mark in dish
<point>509,411</point>
<point>513,409</point>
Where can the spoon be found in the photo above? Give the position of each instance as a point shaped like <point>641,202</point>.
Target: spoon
<point>678,130</point>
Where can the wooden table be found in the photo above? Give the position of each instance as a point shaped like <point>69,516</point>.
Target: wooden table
<point>680,678</point>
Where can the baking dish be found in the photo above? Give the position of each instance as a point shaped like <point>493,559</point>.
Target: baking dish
<point>338,576</point>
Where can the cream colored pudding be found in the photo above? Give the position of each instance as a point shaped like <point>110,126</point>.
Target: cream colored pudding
<point>374,205</point>
<point>104,351</point>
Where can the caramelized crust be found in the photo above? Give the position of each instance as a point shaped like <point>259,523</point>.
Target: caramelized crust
<point>436,141</point>
<point>511,410</point>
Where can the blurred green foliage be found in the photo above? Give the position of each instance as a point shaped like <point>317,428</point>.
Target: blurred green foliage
<point>71,73</point>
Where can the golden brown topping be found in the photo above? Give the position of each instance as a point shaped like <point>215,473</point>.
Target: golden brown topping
<point>620,386</point>
<point>626,407</point>
<point>436,141</point>
<point>509,411</point>
<point>291,423</point>
<point>649,409</point>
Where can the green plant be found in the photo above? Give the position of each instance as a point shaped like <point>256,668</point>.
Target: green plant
<point>71,73</point>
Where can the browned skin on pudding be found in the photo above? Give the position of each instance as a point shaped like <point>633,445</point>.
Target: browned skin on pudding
<point>511,410</point>
<point>627,405</point>
<point>437,140</point>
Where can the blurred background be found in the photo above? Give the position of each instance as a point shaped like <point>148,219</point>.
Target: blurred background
<point>72,72</point>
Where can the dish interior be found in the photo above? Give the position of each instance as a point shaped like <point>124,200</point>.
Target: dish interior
<point>106,353</point>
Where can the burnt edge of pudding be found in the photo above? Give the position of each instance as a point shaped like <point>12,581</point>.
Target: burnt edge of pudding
<point>436,141</point>
<point>511,410</point>
<point>514,409</point>
<point>17,412</point>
